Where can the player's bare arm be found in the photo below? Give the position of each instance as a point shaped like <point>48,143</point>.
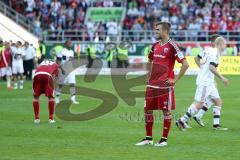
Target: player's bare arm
<point>58,61</point>
<point>183,69</point>
<point>214,70</point>
<point>197,61</point>
<point>149,67</point>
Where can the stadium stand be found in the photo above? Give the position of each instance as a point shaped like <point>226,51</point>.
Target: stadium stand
<point>192,20</point>
<point>206,17</point>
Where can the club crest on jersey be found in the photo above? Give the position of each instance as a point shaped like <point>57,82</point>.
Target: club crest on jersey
<point>165,50</point>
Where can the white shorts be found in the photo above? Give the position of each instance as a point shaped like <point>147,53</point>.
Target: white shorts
<point>70,79</point>
<point>17,69</point>
<point>6,71</point>
<point>204,93</point>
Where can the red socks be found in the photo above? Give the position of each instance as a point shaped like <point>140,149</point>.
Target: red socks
<point>149,119</point>
<point>149,123</point>
<point>36,108</point>
<point>51,108</point>
<point>167,125</point>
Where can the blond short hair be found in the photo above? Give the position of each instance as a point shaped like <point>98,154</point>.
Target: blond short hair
<point>220,40</point>
<point>166,25</point>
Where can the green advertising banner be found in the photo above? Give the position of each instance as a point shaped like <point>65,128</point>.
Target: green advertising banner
<point>80,48</point>
<point>137,49</point>
<point>105,14</point>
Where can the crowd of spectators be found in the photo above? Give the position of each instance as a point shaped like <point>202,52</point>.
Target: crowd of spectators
<point>196,16</point>
<point>52,14</point>
<point>58,15</point>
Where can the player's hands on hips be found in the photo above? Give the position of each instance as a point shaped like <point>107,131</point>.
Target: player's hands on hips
<point>170,82</point>
<point>225,80</point>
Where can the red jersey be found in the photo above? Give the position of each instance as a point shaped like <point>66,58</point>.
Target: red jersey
<point>1,60</point>
<point>214,27</point>
<point>47,67</point>
<point>230,25</point>
<point>163,58</point>
<point>5,58</point>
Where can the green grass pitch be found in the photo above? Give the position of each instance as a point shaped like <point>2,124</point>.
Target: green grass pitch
<point>113,135</point>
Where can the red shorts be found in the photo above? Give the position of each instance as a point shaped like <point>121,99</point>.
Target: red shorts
<point>43,84</point>
<point>159,99</point>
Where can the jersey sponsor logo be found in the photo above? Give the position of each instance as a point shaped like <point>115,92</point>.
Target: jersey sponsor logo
<point>160,56</point>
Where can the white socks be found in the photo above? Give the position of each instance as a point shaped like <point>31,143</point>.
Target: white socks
<point>216,115</point>
<point>190,112</point>
<point>202,112</point>
<point>8,82</point>
<point>21,84</point>
<point>72,90</point>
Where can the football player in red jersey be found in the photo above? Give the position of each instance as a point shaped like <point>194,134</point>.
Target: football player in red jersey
<point>161,81</point>
<point>6,63</point>
<point>43,82</point>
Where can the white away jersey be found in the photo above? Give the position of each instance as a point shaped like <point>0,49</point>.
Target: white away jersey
<point>66,55</point>
<point>208,55</point>
<point>18,54</point>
